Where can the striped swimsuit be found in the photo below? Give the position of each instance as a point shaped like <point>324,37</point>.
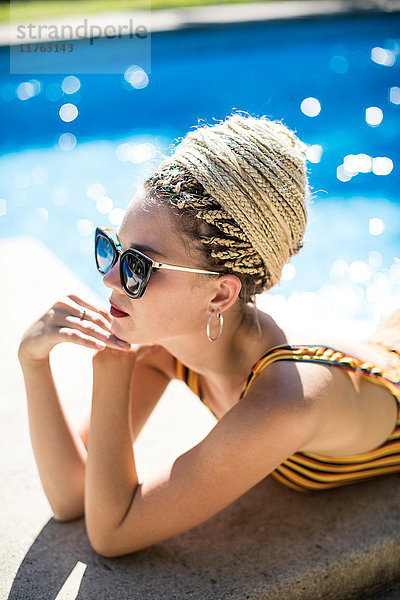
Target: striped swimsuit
<point>306,471</point>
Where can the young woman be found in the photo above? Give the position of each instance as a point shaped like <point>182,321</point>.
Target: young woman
<point>210,229</point>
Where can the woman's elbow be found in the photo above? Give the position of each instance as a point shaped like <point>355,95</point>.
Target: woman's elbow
<point>105,551</point>
<point>108,546</point>
<point>64,516</point>
<point>103,547</point>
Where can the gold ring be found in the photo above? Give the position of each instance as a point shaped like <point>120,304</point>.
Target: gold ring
<point>82,314</point>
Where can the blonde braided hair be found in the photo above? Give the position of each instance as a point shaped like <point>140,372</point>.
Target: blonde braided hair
<point>241,188</point>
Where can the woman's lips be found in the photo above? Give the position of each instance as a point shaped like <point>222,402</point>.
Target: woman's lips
<point>117,313</point>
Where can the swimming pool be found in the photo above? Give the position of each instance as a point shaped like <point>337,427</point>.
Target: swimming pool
<point>334,80</point>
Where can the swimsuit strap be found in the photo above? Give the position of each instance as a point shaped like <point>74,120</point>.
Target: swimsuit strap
<point>389,378</point>
<point>191,378</point>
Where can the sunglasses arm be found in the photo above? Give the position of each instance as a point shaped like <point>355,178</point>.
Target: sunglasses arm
<point>157,265</point>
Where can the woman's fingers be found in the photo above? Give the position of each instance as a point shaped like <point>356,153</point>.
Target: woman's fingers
<point>62,323</point>
<point>88,306</point>
<point>93,324</point>
<point>94,329</point>
<point>70,335</point>
<point>92,317</point>
<point>69,306</point>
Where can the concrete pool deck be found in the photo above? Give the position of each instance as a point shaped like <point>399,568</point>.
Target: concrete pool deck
<point>207,16</point>
<point>271,543</point>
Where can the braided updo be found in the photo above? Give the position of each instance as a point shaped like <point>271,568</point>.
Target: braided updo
<point>241,191</point>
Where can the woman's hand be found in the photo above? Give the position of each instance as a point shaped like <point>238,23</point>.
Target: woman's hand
<point>61,323</point>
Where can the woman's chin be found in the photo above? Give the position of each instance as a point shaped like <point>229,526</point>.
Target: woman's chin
<point>117,324</point>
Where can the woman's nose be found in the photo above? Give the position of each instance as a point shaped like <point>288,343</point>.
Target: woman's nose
<point>112,278</point>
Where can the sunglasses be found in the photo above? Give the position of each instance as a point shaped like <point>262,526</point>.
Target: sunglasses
<point>135,268</point>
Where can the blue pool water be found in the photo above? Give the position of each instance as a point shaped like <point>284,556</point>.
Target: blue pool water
<point>346,64</point>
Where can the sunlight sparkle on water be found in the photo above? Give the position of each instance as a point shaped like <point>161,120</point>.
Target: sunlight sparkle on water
<point>137,77</point>
<point>28,89</point>
<point>394,95</point>
<point>339,269</point>
<point>135,153</point>
<point>382,165</point>
<point>376,226</point>
<point>95,190</point>
<point>311,107</point>
<point>70,84</point>
<point>68,112</point>
<point>374,116</point>
<point>353,164</point>
<point>142,152</point>
<point>314,153</point>
<point>123,152</point>
<point>288,272</point>
<point>85,227</point>
<point>357,163</point>
<point>115,216</point>
<point>342,174</point>
<point>381,56</point>
<point>67,141</point>
<point>104,204</point>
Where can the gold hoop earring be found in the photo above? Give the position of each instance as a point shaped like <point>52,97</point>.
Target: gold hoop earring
<point>221,323</point>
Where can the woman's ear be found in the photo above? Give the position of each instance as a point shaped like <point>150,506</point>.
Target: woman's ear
<point>228,289</point>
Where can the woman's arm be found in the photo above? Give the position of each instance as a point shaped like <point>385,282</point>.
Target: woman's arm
<point>269,424</point>
<point>111,476</point>
<point>59,452</point>
<point>150,377</point>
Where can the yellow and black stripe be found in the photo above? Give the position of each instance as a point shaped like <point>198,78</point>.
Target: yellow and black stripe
<point>191,378</point>
<point>306,471</point>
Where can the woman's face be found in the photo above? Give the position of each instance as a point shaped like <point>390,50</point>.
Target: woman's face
<point>172,304</point>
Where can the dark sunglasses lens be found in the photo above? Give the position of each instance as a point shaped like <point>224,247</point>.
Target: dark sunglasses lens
<point>104,253</point>
<point>134,271</point>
